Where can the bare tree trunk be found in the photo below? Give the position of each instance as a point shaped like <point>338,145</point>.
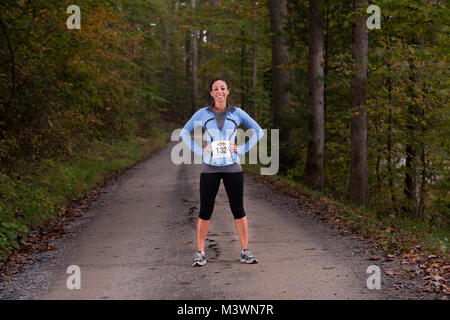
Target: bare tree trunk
<point>358,129</point>
<point>315,158</point>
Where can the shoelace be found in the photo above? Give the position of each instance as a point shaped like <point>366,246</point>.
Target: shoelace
<point>198,256</point>
<point>246,254</point>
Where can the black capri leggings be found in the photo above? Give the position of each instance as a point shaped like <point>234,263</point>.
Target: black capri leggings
<point>234,186</point>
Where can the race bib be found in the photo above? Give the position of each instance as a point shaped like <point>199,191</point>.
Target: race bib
<point>220,149</point>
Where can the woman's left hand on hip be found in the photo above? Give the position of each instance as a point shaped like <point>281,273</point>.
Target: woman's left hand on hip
<point>233,147</point>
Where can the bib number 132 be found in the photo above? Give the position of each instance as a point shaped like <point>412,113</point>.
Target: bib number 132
<point>220,149</point>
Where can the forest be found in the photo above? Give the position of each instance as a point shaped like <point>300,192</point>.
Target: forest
<point>363,112</point>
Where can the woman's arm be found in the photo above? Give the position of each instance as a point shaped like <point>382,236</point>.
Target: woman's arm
<point>185,134</point>
<point>251,124</point>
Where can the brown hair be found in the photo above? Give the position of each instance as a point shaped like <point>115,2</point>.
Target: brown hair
<point>211,82</point>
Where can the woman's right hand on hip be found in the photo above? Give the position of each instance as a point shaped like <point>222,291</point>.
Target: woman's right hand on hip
<point>207,149</point>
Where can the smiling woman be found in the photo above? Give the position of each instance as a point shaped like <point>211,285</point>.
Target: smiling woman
<point>219,91</point>
<point>220,161</point>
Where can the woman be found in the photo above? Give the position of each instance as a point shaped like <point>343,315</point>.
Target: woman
<point>220,161</point>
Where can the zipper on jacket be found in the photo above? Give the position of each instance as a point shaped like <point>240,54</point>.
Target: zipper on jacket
<point>235,128</point>
<point>212,139</point>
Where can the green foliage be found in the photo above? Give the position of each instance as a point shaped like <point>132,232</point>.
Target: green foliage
<point>63,92</point>
<point>60,88</point>
<point>409,51</point>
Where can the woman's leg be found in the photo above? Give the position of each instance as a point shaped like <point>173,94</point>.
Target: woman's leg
<point>242,230</point>
<point>209,185</point>
<point>202,232</point>
<point>234,186</point>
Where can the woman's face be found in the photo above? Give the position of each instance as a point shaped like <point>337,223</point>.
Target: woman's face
<point>219,91</point>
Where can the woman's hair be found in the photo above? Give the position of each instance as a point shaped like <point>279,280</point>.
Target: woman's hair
<point>214,80</point>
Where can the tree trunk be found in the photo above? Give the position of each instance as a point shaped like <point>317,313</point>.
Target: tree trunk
<point>389,123</point>
<point>412,175</point>
<point>243,63</point>
<point>188,69</point>
<point>315,158</point>
<point>423,130</point>
<point>280,77</point>
<point>389,138</point>
<point>325,71</point>
<point>194,64</point>
<point>358,129</point>
<point>252,100</point>
<point>13,63</point>
<point>280,60</point>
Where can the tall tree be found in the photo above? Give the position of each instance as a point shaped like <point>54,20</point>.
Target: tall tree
<point>254,64</point>
<point>188,67</point>
<point>280,77</point>
<point>280,60</point>
<point>412,149</point>
<point>195,36</point>
<point>358,128</point>
<point>314,175</point>
<point>243,84</point>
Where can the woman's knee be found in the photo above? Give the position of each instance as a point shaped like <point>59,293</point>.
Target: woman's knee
<point>205,215</point>
<point>238,213</point>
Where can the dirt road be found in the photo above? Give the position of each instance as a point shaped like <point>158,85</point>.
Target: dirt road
<point>138,243</point>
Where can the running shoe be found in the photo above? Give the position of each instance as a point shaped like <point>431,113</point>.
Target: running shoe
<point>247,257</point>
<point>199,259</point>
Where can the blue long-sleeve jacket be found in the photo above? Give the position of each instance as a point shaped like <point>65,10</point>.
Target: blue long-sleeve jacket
<point>235,117</point>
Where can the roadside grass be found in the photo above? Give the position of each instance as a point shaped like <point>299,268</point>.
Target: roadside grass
<point>392,234</point>
<point>37,192</point>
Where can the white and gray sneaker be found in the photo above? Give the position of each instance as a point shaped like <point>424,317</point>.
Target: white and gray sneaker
<point>247,257</point>
<point>199,259</point>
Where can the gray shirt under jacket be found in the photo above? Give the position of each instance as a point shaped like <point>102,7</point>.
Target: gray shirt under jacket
<point>235,167</point>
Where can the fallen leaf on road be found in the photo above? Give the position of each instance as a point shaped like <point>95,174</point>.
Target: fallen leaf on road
<point>389,272</point>
<point>392,289</point>
<point>437,278</point>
